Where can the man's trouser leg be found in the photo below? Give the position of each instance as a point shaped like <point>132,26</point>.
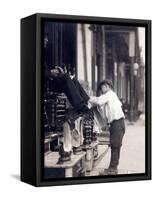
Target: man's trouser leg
<point>117,130</point>
<point>82,92</point>
<point>67,85</point>
<point>72,137</point>
<point>67,144</point>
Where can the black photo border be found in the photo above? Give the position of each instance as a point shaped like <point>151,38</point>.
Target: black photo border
<point>40,19</point>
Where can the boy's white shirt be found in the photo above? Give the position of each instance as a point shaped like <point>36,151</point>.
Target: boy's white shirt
<point>109,106</point>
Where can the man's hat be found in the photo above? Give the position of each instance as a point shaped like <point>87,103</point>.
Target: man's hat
<point>105,82</point>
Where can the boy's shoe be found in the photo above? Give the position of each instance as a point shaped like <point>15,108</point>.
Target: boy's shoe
<point>109,171</point>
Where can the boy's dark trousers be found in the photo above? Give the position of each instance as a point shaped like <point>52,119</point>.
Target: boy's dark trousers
<point>117,130</point>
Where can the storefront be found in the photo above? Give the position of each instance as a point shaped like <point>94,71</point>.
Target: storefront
<point>112,52</point>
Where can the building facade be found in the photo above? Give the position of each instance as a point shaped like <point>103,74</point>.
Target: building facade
<point>95,52</point>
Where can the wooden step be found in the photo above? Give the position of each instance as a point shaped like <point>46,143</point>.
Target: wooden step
<point>74,167</point>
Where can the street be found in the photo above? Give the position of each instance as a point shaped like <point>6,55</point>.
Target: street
<point>132,158</point>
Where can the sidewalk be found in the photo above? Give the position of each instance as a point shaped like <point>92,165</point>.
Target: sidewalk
<point>132,159</point>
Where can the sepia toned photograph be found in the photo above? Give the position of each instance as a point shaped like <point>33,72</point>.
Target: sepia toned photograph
<point>94,99</point>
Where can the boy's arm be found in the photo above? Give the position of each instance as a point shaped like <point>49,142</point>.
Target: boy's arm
<point>99,101</point>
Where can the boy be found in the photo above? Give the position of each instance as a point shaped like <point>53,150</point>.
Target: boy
<point>110,108</point>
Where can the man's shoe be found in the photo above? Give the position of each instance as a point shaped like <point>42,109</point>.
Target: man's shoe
<point>54,73</point>
<point>77,150</point>
<point>64,157</point>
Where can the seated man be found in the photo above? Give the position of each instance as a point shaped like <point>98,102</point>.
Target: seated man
<point>62,83</point>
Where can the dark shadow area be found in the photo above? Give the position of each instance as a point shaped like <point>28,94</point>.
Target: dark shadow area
<point>16,176</point>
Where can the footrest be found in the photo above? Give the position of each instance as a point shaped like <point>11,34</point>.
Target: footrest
<point>73,168</point>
